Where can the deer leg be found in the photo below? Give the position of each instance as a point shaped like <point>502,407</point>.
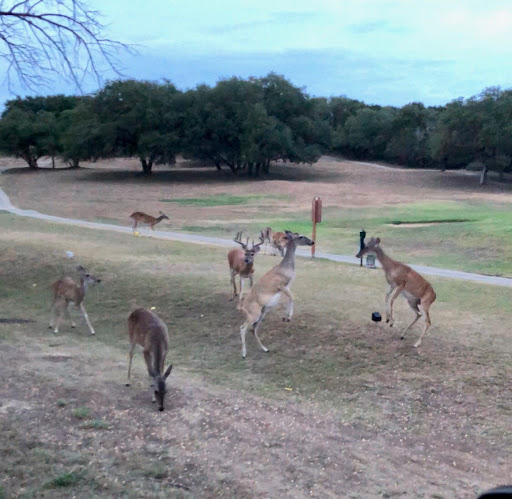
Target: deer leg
<point>232,273</point>
<point>147,358</point>
<point>390,318</point>
<point>68,315</point>
<point>414,305</point>
<point>130,355</point>
<point>388,295</point>
<point>86,317</point>
<point>52,317</point>
<point>243,332</point>
<point>251,280</point>
<point>289,311</point>
<point>134,227</point>
<point>256,325</point>
<point>57,321</point>
<point>426,307</point>
<point>241,285</point>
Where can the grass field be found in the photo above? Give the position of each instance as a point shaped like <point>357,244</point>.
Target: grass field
<point>434,218</point>
<point>339,407</point>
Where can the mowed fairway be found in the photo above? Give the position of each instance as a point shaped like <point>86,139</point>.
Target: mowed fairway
<point>339,407</point>
<point>435,218</point>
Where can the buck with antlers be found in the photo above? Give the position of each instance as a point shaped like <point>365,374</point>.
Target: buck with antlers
<point>150,332</point>
<point>241,262</point>
<point>277,240</point>
<point>268,290</point>
<point>65,291</point>
<point>143,218</point>
<point>403,280</point>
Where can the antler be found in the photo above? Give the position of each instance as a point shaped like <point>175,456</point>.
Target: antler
<point>259,244</point>
<point>238,239</point>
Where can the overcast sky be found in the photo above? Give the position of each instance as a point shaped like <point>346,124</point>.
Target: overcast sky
<point>379,51</point>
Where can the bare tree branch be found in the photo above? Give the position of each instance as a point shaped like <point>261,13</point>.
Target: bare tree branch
<point>40,39</point>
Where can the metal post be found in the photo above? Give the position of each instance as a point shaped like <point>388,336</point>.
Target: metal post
<point>316,217</point>
<point>362,235</point>
<point>314,239</point>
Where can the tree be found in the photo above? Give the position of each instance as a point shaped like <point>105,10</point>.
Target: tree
<point>24,134</point>
<point>44,38</point>
<point>137,118</point>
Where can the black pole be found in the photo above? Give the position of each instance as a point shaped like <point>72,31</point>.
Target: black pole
<point>362,235</point>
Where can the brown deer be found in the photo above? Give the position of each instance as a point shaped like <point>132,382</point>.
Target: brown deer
<point>277,240</point>
<point>241,262</point>
<point>143,218</point>
<point>150,332</point>
<point>268,290</point>
<point>65,291</point>
<point>406,281</point>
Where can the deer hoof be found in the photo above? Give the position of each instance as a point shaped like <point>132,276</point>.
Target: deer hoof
<point>286,319</point>
<point>402,337</point>
<point>417,344</point>
<point>127,384</point>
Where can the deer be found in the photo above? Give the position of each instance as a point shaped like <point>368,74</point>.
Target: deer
<point>150,332</point>
<point>276,239</point>
<point>403,280</point>
<point>143,218</point>
<point>65,291</point>
<point>268,290</point>
<point>241,262</point>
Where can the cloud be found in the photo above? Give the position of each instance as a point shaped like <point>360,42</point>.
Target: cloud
<point>377,26</point>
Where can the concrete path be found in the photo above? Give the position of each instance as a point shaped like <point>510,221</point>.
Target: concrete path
<point>5,204</point>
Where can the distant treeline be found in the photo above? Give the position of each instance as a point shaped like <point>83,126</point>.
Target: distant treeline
<point>247,124</point>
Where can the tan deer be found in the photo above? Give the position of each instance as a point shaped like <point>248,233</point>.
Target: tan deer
<point>65,291</point>
<point>268,290</point>
<point>406,281</point>
<point>277,240</point>
<point>150,332</point>
<point>241,262</point>
<point>142,218</point>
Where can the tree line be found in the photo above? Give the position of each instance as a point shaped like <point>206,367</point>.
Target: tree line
<point>246,124</point>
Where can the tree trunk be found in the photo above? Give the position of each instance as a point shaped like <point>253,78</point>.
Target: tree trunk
<point>146,166</point>
<point>53,162</point>
<point>249,168</point>
<point>75,163</point>
<point>32,162</point>
<point>258,168</point>
<point>266,166</point>
<point>483,175</point>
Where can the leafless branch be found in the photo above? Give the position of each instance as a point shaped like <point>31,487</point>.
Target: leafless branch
<point>41,39</point>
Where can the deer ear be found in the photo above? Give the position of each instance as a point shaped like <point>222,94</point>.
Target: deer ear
<point>377,240</point>
<point>256,249</point>
<point>81,269</point>
<point>169,369</point>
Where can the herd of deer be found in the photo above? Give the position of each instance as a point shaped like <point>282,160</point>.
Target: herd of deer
<point>146,329</point>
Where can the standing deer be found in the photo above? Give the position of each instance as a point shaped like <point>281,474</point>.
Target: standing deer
<point>150,332</point>
<point>143,218</point>
<point>65,290</point>
<point>241,261</point>
<point>277,240</point>
<point>268,290</point>
<point>403,280</point>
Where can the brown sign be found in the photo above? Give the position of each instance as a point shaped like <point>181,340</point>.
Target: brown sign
<point>316,211</point>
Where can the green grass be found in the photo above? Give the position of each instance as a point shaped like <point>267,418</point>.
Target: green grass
<point>65,480</point>
<point>220,200</point>
<point>468,236</point>
<point>95,424</point>
<point>62,403</point>
<point>81,413</point>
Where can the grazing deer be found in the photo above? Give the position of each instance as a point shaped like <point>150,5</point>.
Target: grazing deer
<point>403,280</point>
<point>241,261</point>
<point>268,289</point>
<point>139,217</point>
<point>65,290</point>
<point>277,240</point>
<point>150,332</point>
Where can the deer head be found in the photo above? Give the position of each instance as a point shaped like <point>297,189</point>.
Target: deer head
<point>299,239</point>
<point>160,388</point>
<point>163,216</point>
<point>248,252</point>
<point>371,246</point>
<point>85,277</point>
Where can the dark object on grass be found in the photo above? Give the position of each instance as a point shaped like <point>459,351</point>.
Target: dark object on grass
<point>15,321</point>
<point>502,492</point>
<point>376,317</point>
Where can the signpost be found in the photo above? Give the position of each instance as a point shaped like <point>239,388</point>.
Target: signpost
<point>316,217</point>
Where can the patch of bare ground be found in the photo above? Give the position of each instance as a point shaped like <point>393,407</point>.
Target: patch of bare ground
<point>403,432</point>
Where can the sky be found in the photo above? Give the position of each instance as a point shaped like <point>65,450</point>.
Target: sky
<point>387,52</point>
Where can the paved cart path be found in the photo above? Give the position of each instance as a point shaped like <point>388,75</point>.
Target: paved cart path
<point>6,205</point>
